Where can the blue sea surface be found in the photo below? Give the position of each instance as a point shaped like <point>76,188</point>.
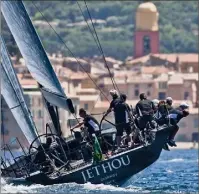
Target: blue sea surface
<point>174,172</point>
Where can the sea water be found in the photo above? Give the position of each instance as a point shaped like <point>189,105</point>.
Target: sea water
<point>175,172</point>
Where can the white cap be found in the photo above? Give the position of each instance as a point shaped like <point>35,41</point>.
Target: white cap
<point>113,92</point>
<point>155,101</point>
<point>184,105</point>
<point>169,99</point>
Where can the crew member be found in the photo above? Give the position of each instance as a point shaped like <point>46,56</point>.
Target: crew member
<point>161,114</point>
<point>155,102</point>
<point>89,122</point>
<point>169,102</point>
<point>115,99</point>
<point>145,109</point>
<point>123,117</point>
<point>175,115</point>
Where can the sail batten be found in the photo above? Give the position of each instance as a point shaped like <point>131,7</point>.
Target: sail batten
<point>13,95</point>
<point>33,52</point>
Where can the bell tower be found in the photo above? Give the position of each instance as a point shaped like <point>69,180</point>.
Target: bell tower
<point>146,38</point>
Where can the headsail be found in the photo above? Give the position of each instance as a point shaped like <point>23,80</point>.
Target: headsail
<point>34,54</point>
<point>13,95</point>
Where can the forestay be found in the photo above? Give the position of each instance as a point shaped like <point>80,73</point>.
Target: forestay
<point>13,95</point>
<point>33,52</point>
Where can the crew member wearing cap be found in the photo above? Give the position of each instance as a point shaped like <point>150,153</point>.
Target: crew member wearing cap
<point>115,100</point>
<point>175,115</point>
<point>169,102</point>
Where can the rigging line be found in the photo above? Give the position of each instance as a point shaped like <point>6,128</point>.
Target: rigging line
<point>100,47</point>
<point>112,79</point>
<point>97,43</point>
<point>70,51</point>
<point>95,103</point>
<point>88,25</point>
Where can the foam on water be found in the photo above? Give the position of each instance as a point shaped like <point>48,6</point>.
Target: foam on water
<point>69,187</point>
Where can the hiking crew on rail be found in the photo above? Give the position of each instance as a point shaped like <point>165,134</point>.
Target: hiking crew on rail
<point>147,115</point>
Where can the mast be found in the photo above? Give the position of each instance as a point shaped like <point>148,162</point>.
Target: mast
<point>13,95</point>
<point>35,58</point>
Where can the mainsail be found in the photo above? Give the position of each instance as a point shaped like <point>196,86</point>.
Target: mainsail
<point>34,54</point>
<point>13,95</point>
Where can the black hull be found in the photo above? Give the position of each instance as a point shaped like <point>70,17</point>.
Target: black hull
<point>114,170</point>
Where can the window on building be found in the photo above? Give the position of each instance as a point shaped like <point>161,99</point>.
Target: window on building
<point>161,95</point>
<point>149,85</point>
<point>195,123</point>
<point>136,92</point>
<point>146,45</point>
<point>162,85</point>
<point>86,106</point>
<point>186,95</point>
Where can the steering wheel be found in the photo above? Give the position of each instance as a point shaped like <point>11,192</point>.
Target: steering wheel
<point>104,119</point>
<point>32,147</point>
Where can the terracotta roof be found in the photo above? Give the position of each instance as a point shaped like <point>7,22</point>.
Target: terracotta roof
<point>73,60</point>
<point>112,60</point>
<point>183,57</point>
<point>143,59</point>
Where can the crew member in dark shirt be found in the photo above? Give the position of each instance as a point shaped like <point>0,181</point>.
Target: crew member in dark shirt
<point>123,116</point>
<point>145,110</point>
<point>114,102</point>
<point>175,115</point>
<point>169,102</point>
<point>89,122</point>
<point>120,109</point>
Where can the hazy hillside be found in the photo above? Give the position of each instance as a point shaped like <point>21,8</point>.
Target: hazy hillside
<point>116,22</point>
